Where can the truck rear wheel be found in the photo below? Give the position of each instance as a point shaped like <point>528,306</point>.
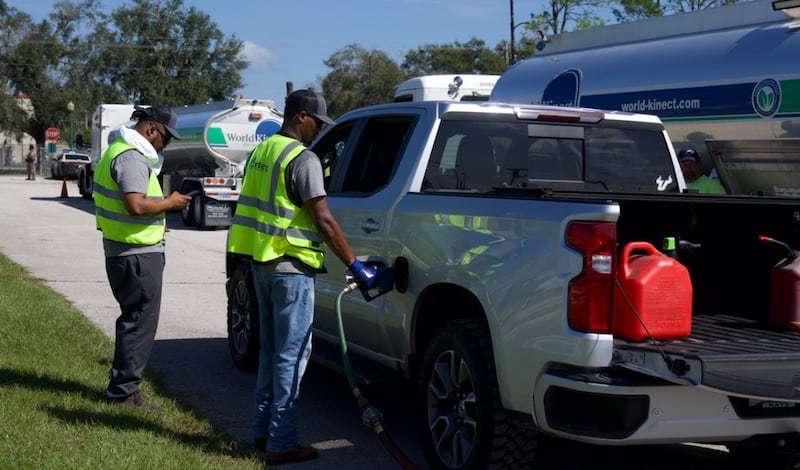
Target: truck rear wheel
<point>457,408</point>
<point>243,342</point>
<point>199,211</point>
<point>187,215</point>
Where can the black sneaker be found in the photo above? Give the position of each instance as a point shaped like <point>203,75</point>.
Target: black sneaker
<point>135,400</point>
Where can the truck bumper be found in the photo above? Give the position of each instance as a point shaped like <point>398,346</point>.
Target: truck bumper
<point>596,407</point>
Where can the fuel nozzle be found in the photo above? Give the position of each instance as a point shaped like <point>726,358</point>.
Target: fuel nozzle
<point>390,278</point>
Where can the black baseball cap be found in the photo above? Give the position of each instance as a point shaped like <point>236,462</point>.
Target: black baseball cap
<point>310,102</point>
<point>162,115</point>
<point>688,154</point>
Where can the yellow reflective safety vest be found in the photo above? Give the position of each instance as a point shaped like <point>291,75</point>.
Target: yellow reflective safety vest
<point>267,224</point>
<point>112,217</point>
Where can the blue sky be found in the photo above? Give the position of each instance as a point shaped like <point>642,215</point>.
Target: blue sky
<point>288,41</point>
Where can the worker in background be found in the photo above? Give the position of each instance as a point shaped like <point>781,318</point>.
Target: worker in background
<point>692,170</point>
<point>30,162</point>
<point>281,221</point>
<point>131,212</point>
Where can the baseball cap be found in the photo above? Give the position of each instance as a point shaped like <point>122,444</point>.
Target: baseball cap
<point>688,154</point>
<point>310,102</point>
<point>162,115</point>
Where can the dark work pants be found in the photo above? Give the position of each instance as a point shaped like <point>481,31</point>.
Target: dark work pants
<point>136,282</point>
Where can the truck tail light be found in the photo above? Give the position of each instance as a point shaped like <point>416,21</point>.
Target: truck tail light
<point>591,291</point>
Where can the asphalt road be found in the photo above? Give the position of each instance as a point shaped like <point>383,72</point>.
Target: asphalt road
<point>56,240</point>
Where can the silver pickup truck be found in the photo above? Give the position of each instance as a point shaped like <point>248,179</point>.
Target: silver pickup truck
<point>511,220</point>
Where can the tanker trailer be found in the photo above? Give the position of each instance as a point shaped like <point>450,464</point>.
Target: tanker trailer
<point>725,80</point>
<point>209,160</point>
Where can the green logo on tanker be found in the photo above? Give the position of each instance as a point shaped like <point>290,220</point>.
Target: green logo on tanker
<point>216,138</point>
<point>766,97</point>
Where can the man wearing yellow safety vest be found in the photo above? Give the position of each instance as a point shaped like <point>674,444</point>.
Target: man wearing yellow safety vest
<point>130,211</point>
<point>281,221</point>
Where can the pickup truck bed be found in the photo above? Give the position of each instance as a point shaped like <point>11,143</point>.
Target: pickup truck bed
<point>738,356</point>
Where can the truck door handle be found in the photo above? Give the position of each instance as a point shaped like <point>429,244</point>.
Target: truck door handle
<point>370,225</point>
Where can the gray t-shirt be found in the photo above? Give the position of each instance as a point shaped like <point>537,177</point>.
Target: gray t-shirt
<point>131,171</point>
<point>304,181</point>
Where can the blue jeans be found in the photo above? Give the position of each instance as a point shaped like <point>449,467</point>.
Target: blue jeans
<point>286,310</point>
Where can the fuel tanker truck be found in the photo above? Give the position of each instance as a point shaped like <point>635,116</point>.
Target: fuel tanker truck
<point>208,162</point>
<point>724,80</point>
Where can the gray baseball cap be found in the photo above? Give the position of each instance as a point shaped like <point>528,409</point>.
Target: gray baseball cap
<point>310,102</point>
<point>162,115</point>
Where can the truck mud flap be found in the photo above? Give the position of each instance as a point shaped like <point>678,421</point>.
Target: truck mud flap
<point>731,355</point>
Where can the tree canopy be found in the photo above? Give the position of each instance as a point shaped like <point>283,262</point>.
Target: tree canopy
<point>135,54</point>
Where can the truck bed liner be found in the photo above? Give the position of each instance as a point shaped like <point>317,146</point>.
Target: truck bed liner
<point>739,356</point>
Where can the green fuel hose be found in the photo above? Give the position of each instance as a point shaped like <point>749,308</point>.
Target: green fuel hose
<point>371,417</point>
<point>348,369</point>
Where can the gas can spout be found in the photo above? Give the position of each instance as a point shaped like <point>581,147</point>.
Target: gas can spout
<point>790,253</point>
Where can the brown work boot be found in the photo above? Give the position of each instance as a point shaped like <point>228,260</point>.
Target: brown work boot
<point>300,453</point>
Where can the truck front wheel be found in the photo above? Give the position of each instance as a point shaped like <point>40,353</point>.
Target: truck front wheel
<point>243,341</point>
<point>85,184</point>
<point>458,410</point>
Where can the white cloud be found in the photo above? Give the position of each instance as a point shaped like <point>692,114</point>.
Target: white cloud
<point>258,56</point>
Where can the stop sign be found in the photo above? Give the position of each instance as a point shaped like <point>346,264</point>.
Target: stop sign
<point>51,134</point>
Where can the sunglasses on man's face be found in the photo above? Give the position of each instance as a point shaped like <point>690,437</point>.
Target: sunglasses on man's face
<point>165,136</point>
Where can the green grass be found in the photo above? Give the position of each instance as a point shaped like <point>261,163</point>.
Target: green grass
<point>53,370</point>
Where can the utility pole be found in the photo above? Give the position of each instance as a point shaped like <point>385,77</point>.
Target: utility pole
<point>512,57</point>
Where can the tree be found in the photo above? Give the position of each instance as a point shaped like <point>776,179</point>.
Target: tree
<point>632,10</point>
<point>359,78</point>
<point>157,51</point>
<point>567,15</point>
<point>12,118</point>
<point>471,57</point>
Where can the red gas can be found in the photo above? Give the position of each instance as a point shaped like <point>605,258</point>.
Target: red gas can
<point>659,288</point>
<point>785,292</point>
<point>784,305</point>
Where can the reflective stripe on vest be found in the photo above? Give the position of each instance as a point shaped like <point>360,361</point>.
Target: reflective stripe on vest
<point>267,224</point>
<point>112,217</point>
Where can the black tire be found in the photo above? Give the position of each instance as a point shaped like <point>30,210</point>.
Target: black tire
<point>243,342</point>
<point>85,184</point>
<point>199,212</point>
<point>461,420</point>
<point>187,215</point>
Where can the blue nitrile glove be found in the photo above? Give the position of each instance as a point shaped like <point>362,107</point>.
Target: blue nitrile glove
<point>366,276</point>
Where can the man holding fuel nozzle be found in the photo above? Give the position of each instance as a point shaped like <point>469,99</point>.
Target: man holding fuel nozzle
<point>281,221</point>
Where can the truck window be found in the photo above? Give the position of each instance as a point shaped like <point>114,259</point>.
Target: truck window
<point>331,150</point>
<point>630,159</point>
<point>376,154</point>
<point>476,157</point>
